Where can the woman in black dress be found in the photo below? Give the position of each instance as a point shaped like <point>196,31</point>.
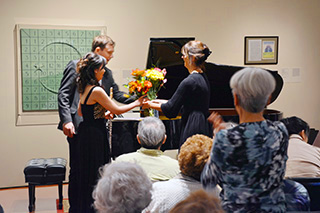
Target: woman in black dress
<point>92,135</point>
<point>192,95</point>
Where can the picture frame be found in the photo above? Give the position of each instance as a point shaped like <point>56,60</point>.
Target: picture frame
<point>261,50</point>
<point>41,54</point>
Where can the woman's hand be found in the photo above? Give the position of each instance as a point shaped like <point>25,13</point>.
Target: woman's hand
<point>217,122</point>
<point>141,100</point>
<point>146,104</point>
<point>108,115</point>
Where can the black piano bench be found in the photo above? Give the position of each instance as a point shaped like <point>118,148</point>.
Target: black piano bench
<point>41,171</point>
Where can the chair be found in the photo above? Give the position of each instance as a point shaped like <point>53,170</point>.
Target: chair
<point>41,171</point>
<point>313,187</point>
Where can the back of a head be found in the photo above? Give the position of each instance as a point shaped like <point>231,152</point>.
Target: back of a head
<point>194,154</point>
<point>199,201</point>
<point>197,49</point>
<point>253,87</point>
<point>86,67</point>
<point>295,125</point>
<point>101,41</point>
<point>122,188</point>
<point>151,132</point>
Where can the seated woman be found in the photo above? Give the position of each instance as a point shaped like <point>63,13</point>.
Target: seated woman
<point>123,187</point>
<point>193,155</point>
<point>248,161</point>
<point>303,158</point>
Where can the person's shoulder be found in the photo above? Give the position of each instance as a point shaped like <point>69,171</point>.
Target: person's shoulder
<point>167,187</point>
<point>279,125</point>
<point>73,63</point>
<point>126,157</point>
<point>225,132</point>
<point>195,78</point>
<point>71,67</point>
<point>173,162</point>
<point>108,71</point>
<point>98,90</point>
<point>226,137</point>
<point>190,80</point>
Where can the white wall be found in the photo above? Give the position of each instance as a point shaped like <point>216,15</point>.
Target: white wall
<point>221,24</point>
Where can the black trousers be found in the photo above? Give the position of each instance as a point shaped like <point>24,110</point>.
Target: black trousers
<point>73,191</point>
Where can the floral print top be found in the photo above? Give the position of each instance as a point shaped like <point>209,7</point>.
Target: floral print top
<point>248,162</point>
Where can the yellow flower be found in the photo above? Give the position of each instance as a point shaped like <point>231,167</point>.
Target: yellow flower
<point>154,75</point>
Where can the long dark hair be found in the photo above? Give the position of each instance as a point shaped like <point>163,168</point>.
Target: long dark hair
<point>86,67</point>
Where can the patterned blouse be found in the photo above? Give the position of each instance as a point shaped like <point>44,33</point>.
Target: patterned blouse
<point>248,162</point>
<point>99,111</point>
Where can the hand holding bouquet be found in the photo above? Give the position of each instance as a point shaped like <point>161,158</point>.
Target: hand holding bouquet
<point>147,82</point>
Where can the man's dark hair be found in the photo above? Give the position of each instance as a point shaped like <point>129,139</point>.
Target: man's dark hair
<point>101,41</point>
<point>295,125</point>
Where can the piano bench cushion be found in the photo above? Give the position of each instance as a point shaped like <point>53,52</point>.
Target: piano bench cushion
<point>45,171</point>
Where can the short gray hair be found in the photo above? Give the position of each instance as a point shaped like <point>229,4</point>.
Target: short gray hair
<point>151,132</point>
<point>123,187</point>
<point>253,87</point>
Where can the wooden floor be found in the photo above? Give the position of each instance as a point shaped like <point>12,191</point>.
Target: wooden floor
<point>16,200</point>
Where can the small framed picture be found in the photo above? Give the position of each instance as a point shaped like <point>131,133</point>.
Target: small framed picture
<point>261,50</point>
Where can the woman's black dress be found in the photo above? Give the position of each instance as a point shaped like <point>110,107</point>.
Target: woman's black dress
<point>192,97</point>
<point>94,151</point>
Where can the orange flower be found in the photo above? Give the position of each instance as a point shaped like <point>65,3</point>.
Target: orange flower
<point>147,84</point>
<point>139,87</point>
<point>132,86</point>
<point>138,73</point>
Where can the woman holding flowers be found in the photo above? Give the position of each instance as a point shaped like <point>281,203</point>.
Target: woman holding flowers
<point>192,95</point>
<point>92,136</point>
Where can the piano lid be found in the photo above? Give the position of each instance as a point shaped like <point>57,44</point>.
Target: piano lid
<point>165,53</point>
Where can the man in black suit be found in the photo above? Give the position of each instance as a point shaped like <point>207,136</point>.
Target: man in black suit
<point>68,100</point>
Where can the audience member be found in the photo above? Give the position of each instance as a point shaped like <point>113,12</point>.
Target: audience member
<point>297,197</point>
<point>193,155</point>
<point>151,135</point>
<point>303,158</point>
<point>199,201</point>
<point>248,161</point>
<point>122,188</point>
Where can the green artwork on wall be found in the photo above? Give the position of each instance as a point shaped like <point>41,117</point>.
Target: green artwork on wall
<point>44,55</point>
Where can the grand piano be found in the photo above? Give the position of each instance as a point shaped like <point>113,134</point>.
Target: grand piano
<point>165,53</point>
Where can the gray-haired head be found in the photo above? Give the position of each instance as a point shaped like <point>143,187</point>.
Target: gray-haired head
<point>151,132</point>
<point>253,87</point>
<point>123,187</point>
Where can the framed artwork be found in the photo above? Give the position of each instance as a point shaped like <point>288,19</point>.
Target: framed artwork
<point>261,50</point>
<point>43,51</point>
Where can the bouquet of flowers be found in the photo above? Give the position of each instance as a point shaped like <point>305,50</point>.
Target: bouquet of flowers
<point>147,82</point>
